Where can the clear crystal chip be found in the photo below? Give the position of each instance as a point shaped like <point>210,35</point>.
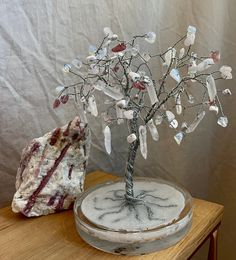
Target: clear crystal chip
<point>108,32</point>
<point>134,51</point>
<point>222,121</point>
<point>226,92</point>
<point>150,37</point>
<point>226,72</point>
<point>131,138</point>
<point>174,73</point>
<point>101,53</point>
<point>191,99</point>
<point>179,137</point>
<point>181,53</point>
<point>184,126</point>
<point>107,139</point>
<point>59,89</point>
<point>170,54</point>
<point>214,108</point>
<point>66,68</point>
<point>173,124</point>
<point>92,49</point>
<point>158,119</point>
<point>143,140</point>
<point>195,122</point>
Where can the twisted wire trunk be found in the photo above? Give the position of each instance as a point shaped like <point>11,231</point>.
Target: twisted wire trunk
<point>133,147</point>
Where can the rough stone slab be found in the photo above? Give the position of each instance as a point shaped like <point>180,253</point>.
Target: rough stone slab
<point>52,169</point>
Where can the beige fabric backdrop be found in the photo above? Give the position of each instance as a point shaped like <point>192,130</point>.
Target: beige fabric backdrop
<point>37,37</point>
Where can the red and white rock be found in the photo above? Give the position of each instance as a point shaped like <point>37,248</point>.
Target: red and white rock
<point>52,169</point>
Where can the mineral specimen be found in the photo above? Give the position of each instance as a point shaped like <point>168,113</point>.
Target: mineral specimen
<point>51,171</point>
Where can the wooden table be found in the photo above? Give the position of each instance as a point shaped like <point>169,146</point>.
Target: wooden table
<point>55,237</point>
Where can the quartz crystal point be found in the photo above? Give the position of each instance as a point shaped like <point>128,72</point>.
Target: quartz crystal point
<point>173,123</point>
<point>92,106</point>
<point>151,92</point>
<point>131,138</point>
<point>59,89</point>
<point>119,115</point>
<point>179,137</point>
<point>111,92</point>
<point>178,105</point>
<point>170,116</point>
<point>67,68</point>
<point>195,123</point>
<point>174,73</point>
<point>153,130</point>
<point>226,72</point>
<point>211,87</point>
<point>222,121</point>
<point>181,53</point>
<point>52,169</point>
<point>107,139</point>
<point>170,54</point>
<point>190,36</point>
<point>205,64</point>
<point>143,140</point>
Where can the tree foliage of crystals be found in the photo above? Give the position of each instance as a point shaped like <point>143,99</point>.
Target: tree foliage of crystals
<point>122,72</point>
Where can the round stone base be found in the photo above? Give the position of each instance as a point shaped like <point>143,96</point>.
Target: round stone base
<point>159,216</point>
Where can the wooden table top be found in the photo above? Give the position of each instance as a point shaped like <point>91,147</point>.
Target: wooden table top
<point>55,237</point>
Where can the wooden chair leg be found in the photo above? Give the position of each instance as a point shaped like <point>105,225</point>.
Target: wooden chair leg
<point>212,254</point>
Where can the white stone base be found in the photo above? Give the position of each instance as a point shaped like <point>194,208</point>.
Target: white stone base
<point>159,217</point>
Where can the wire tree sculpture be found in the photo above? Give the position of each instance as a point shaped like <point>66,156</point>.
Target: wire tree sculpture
<point>122,72</point>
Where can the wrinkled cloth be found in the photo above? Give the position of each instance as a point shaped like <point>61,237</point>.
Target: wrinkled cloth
<point>37,37</point>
